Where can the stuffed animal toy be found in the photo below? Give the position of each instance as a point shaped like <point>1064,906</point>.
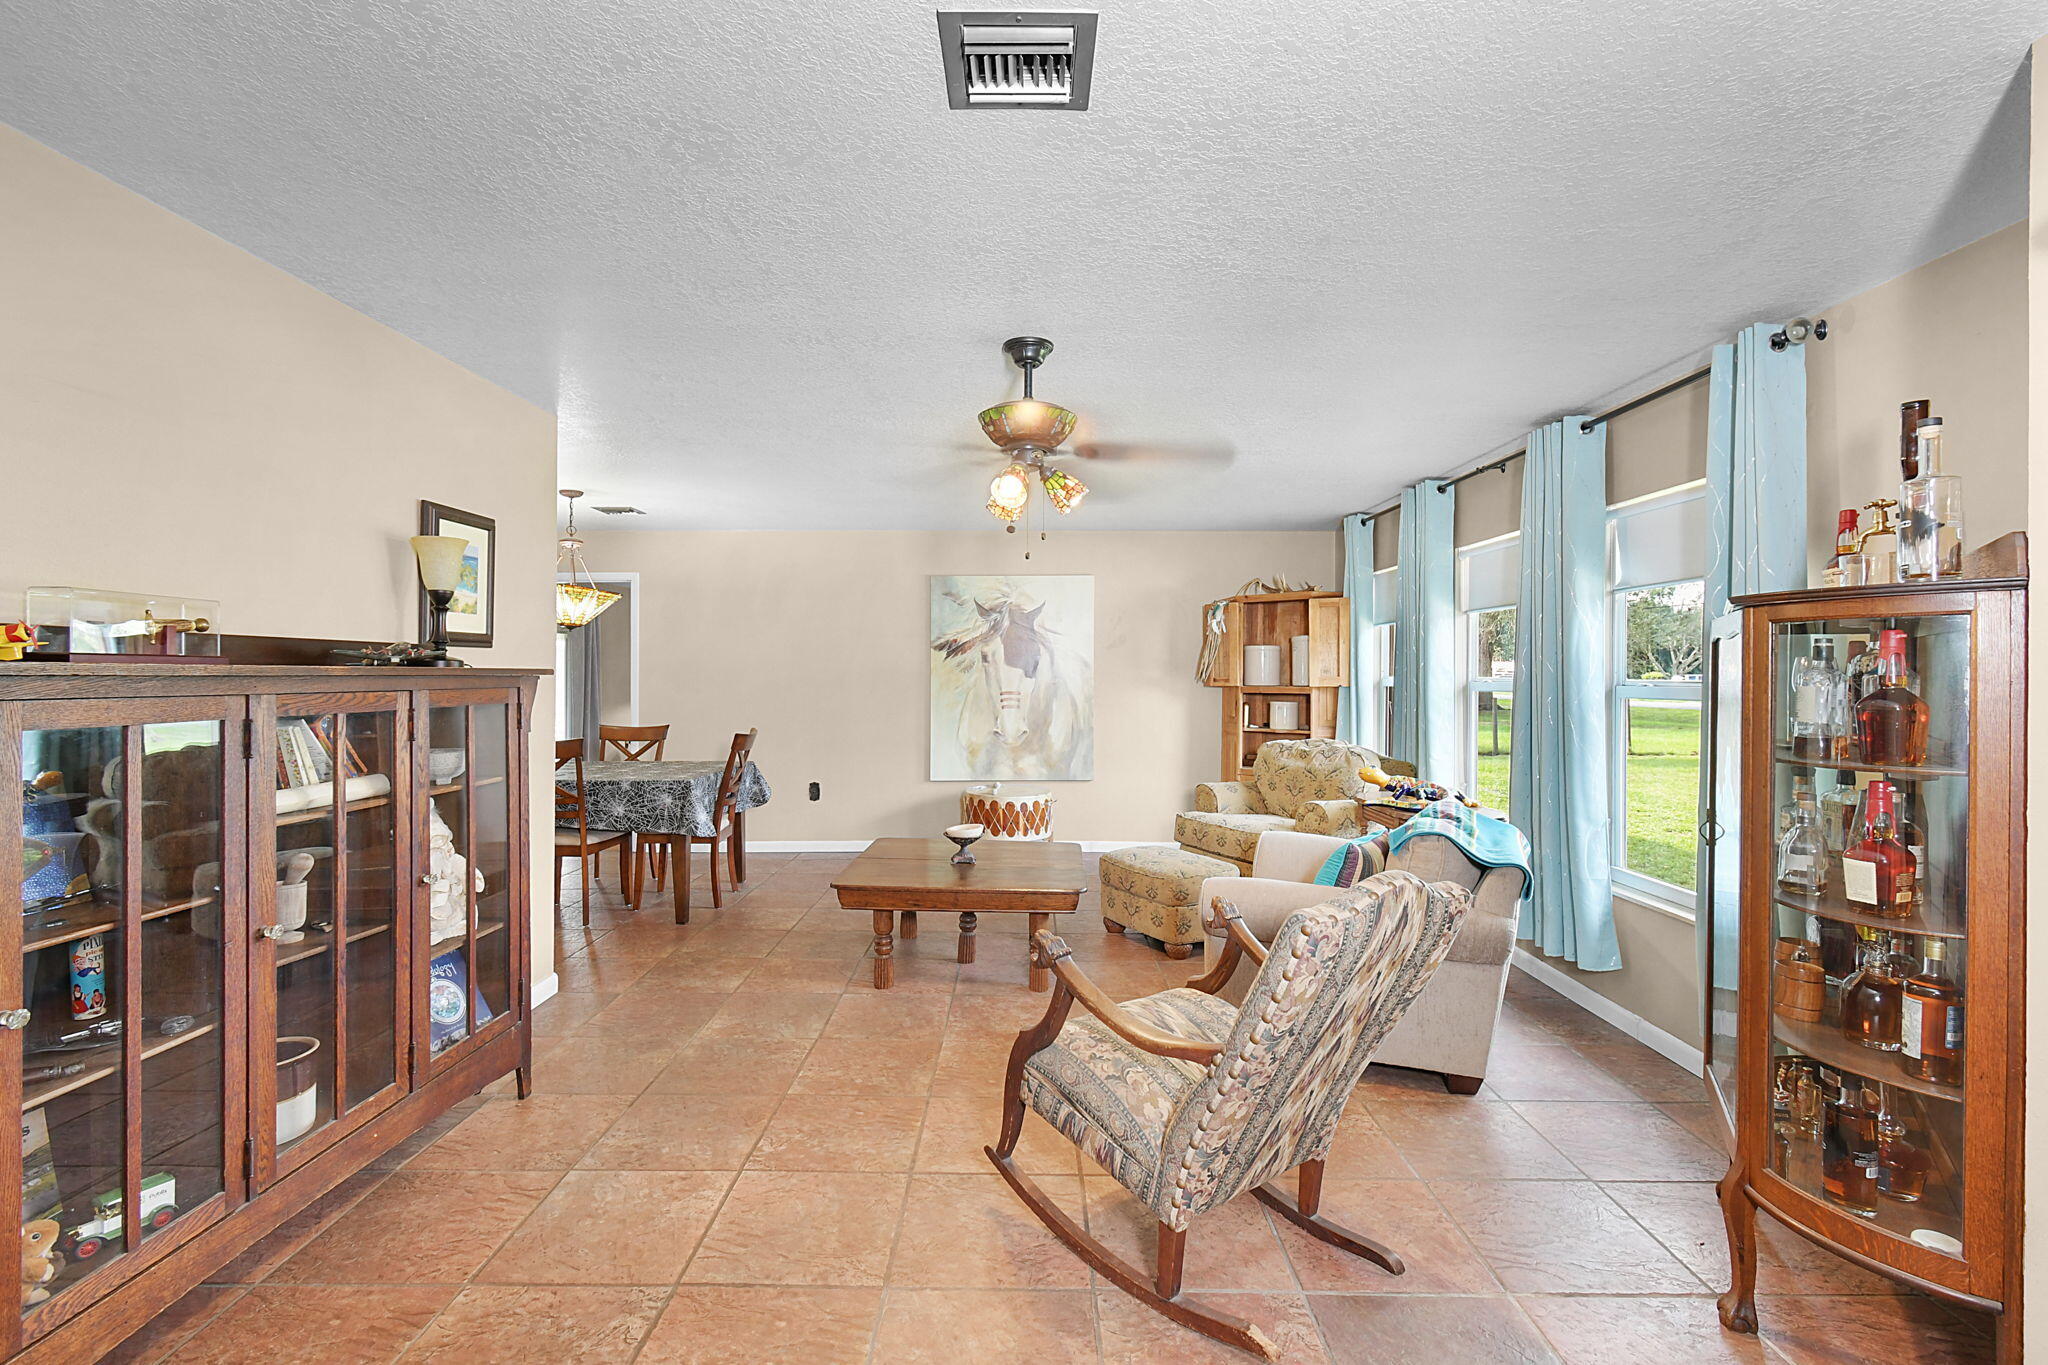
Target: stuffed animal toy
<point>1407,789</point>
<point>40,1260</point>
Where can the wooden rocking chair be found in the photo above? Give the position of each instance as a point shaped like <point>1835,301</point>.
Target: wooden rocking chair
<point>1189,1100</point>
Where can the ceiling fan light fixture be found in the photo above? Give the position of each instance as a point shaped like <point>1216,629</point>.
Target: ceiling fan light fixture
<point>1010,490</point>
<point>1063,490</point>
<point>1027,424</point>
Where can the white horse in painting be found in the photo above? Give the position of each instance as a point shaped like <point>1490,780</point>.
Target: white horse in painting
<point>1021,711</point>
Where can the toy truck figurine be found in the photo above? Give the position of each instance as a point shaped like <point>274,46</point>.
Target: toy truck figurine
<point>88,1239</point>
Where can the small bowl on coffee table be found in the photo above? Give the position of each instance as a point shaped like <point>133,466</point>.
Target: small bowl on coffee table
<point>964,836</point>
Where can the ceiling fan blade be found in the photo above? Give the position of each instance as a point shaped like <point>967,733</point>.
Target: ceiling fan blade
<point>1206,453</point>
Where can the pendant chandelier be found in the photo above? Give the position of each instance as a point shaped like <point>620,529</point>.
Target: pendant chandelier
<point>1029,431</point>
<point>576,604</point>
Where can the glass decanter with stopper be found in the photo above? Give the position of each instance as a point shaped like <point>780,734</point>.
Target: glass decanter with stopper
<point>1931,508</point>
<point>1891,723</point>
<point>1871,998</point>
<point>1802,848</point>
<point>1902,1166</point>
<point>1849,1150</point>
<point>1820,704</point>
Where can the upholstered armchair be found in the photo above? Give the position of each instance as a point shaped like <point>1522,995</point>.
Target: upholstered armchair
<point>1190,1100</point>
<point>1309,785</point>
<point>1449,1030</point>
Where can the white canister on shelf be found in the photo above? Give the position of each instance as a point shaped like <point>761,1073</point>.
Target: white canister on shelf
<point>1284,715</point>
<point>1262,665</point>
<point>1300,661</point>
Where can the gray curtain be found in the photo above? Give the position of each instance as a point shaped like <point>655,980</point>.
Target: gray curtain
<point>586,692</point>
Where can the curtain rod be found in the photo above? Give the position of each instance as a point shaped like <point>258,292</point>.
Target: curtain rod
<point>1586,426</point>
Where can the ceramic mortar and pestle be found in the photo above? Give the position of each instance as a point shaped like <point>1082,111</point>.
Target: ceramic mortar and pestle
<point>291,895</point>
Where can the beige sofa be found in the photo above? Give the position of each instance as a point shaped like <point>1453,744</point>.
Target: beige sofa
<point>1449,1028</point>
<point>1310,786</point>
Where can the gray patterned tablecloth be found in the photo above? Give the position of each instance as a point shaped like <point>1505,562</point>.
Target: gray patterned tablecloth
<point>665,797</point>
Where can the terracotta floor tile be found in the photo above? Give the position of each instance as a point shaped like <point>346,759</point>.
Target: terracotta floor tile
<point>987,1326</point>
<point>1134,1334</point>
<point>1553,1073</point>
<point>1362,1151</point>
<point>284,1241</point>
<point>828,917</point>
<point>1829,1331</point>
<point>1561,1237</point>
<point>971,1064</point>
<point>794,973</point>
<point>766,1016</point>
<point>958,1128</point>
<point>1686,1218</point>
<point>1427,1330</point>
<point>730,1064</point>
<point>568,1011</point>
<point>972,1231</point>
<point>1628,1331</point>
<point>885,1015</point>
<point>645,1019</point>
<point>168,1329</point>
<point>1002,1015</point>
<point>545,1133</point>
<point>700,972</point>
<point>353,1324</point>
<point>1702,1120</point>
<point>752,1325</point>
<point>635,940</point>
<point>780,1227</point>
<point>1401,1215</point>
<point>1400,1083</point>
<point>866,1066</point>
<point>378,1241</point>
<point>682,1133</point>
<point>1566,1022</point>
<point>1624,1142</point>
<point>539,1325</point>
<point>1469,1141</point>
<point>758,915</point>
<point>1232,1247</point>
<point>1650,1075</point>
<point>590,1064</point>
<point>609,977</point>
<point>841,945</point>
<point>914,976</point>
<point>737,940</point>
<point>611,1227</point>
<point>840,1133</point>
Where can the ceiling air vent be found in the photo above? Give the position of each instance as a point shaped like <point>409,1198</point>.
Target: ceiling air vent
<point>621,511</point>
<point>1007,60</point>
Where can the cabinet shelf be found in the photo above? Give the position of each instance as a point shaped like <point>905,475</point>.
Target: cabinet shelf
<point>38,931</point>
<point>1905,772</point>
<point>314,944</point>
<point>40,1093</point>
<point>1836,908</point>
<point>300,817</point>
<point>443,945</point>
<point>1827,1045</point>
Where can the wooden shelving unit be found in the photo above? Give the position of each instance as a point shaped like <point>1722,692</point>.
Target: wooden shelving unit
<point>1276,619</point>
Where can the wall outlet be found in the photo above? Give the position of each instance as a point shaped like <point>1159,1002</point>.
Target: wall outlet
<point>814,791</point>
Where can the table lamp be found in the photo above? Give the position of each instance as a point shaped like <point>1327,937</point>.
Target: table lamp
<point>440,560</point>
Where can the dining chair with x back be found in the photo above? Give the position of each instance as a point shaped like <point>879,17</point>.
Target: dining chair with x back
<point>633,744</point>
<point>574,838</point>
<point>727,828</point>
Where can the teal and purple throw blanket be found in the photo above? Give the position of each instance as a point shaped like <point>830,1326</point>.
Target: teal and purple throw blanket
<point>1487,841</point>
<point>1355,861</point>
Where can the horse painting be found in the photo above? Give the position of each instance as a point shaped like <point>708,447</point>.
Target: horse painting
<point>1013,678</point>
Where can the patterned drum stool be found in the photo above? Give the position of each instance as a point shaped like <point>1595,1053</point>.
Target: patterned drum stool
<point>1006,812</point>
<point>1153,889</point>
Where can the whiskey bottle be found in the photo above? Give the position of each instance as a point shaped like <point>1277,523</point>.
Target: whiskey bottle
<point>1848,1154</point>
<point>1871,998</point>
<point>1802,850</point>
<point>1845,570</point>
<point>1931,508</point>
<point>1838,809</point>
<point>1931,1019</point>
<point>1820,704</point>
<point>1861,671</point>
<point>1879,871</point>
<point>1891,723</point>
<point>1911,415</point>
<point>1902,1166</point>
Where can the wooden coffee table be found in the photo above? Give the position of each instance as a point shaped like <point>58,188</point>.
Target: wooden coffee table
<point>904,876</point>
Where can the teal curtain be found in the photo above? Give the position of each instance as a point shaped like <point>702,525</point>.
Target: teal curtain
<point>1426,685</point>
<point>1559,780</point>
<point>1357,714</point>
<point>1756,469</point>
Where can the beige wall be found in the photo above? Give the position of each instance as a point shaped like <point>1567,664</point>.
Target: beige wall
<point>819,640</point>
<point>183,418</point>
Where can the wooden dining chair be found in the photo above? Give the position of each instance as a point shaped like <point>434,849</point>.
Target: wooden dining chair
<point>633,744</point>
<point>582,842</point>
<point>728,827</point>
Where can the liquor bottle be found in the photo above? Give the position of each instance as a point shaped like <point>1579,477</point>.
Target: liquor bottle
<point>1845,570</point>
<point>1931,511</point>
<point>1879,871</point>
<point>1802,849</point>
<point>1820,704</point>
<point>1891,723</point>
<point>1838,809</point>
<point>1931,1019</point>
<point>1911,415</point>
<point>1800,784</point>
<point>1871,998</point>
<point>1902,1166</point>
<point>1848,1156</point>
<point>1861,671</point>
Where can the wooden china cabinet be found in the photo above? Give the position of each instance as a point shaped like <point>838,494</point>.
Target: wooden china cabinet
<point>272,922</point>
<point>1865,982</point>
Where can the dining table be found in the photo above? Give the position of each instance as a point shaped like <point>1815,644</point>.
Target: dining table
<point>670,796</point>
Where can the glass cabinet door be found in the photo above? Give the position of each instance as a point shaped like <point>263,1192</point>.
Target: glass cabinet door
<point>327,922</point>
<point>1869,878</point>
<point>468,974</point>
<point>130,851</point>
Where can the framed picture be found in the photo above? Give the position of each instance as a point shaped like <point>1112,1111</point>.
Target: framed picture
<point>1013,677</point>
<point>473,615</point>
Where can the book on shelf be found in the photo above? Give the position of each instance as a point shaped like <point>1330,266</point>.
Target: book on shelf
<point>307,749</point>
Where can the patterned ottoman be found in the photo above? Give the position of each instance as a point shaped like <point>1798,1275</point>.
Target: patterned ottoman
<point>1152,888</point>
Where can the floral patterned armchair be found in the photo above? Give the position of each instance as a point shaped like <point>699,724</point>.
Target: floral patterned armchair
<point>1189,1100</point>
<point>1308,785</point>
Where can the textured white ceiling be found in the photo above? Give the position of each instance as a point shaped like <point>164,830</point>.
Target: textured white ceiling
<point>1315,247</point>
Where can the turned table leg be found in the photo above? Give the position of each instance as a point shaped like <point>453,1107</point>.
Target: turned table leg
<point>908,926</point>
<point>885,949</point>
<point>1041,978</point>
<point>967,924</point>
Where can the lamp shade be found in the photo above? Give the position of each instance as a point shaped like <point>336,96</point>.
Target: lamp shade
<point>440,560</point>
<point>1027,422</point>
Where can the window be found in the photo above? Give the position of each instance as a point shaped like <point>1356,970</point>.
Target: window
<point>1385,587</point>
<point>1657,557</point>
<point>1489,583</point>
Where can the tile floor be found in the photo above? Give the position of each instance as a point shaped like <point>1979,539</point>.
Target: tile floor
<point>739,1152</point>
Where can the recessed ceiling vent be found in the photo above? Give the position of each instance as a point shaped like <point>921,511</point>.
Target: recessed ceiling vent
<point>1009,60</point>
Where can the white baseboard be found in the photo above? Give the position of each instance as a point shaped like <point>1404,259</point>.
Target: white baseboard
<point>545,989</point>
<point>1599,1006</point>
<point>856,845</point>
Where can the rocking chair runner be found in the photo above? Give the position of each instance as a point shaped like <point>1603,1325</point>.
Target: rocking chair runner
<point>1189,1100</point>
